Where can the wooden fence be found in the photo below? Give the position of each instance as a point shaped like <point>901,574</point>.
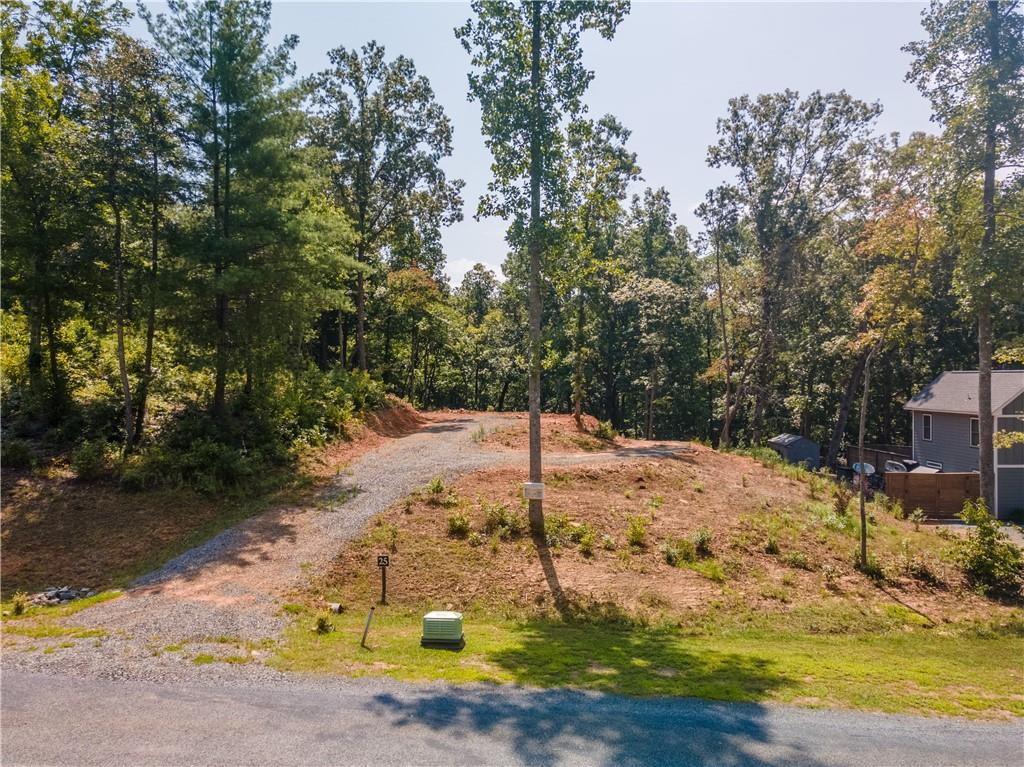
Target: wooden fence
<point>940,495</point>
<point>877,455</point>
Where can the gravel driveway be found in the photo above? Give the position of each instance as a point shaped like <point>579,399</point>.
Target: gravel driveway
<point>225,596</point>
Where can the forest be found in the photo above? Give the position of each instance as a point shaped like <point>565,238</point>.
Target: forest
<point>211,262</point>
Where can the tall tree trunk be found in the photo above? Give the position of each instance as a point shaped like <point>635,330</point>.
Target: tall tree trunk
<point>577,376</point>
<point>861,476</point>
<point>343,339</point>
<point>122,363</point>
<point>986,450</point>
<point>221,299</point>
<point>845,403</point>
<point>536,508</point>
<point>504,392</point>
<point>725,437</point>
<point>154,251</point>
<point>360,317</point>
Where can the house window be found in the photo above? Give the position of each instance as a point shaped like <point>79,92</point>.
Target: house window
<point>926,427</point>
<point>975,432</point>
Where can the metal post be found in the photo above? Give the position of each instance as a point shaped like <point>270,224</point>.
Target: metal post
<point>367,629</point>
<point>383,585</point>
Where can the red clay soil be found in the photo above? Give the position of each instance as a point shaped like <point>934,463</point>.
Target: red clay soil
<point>58,530</point>
<point>734,497</point>
<point>559,434</point>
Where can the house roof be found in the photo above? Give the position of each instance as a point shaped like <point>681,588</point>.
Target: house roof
<point>784,440</point>
<point>957,392</point>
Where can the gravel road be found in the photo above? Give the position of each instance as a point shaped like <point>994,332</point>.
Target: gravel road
<point>224,596</point>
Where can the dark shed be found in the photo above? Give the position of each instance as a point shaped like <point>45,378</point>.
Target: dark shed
<point>796,449</point>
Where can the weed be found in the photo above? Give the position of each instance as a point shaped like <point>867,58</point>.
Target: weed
<point>557,528</point>
<point>499,519</point>
<point>744,480</point>
<point>831,573</point>
<point>91,459</point>
<point>607,543</point>
<point>458,524</point>
<point>323,625</point>
<point>843,496</point>
<point>815,485</point>
<point>480,434</point>
<point>656,502</point>
<point>678,552</point>
<point>636,530</point>
<point>436,486</point>
<point>917,516</point>
<point>771,546</point>
<point>19,603</point>
<point>475,539</point>
<point>605,430</point>
<point>698,487</point>
<point>587,544</point>
<point>702,541</point>
<point>798,560</point>
<point>203,659</point>
<point>293,609</point>
<point>871,568</point>
<point>710,569</point>
<point>788,579</point>
<point>628,493</point>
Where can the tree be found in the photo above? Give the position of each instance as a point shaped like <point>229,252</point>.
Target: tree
<point>523,102</point>
<point>44,50</point>
<point>971,67</point>
<point>385,136</point>
<point>797,161</point>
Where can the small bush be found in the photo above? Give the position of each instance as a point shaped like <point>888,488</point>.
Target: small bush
<point>458,524</point>
<point>91,460</point>
<point>710,569</point>
<point>843,496</point>
<point>656,502</point>
<point>607,543</point>
<point>702,539</point>
<point>324,625</point>
<point>872,568</point>
<point>475,539</point>
<point>896,508</point>
<point>587,544</point>
<point>499,519</point>
<point>605,430</point>
<point>698,487</point>
<point>917,516</point>
<point>436,486</point>
<point>16,454</point>
<point>991,562</point>
<point>19,603</point>
<point>557,529</point>
<point>636,530</point>
<point>831,573</point>
<point>771,546</point>
<point>798,560</point>
<point>676,553</point>
<point>816,485</point>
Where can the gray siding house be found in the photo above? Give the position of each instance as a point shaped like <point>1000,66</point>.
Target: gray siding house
<point>945,429</point>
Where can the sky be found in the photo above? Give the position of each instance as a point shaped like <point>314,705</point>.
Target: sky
<point>667,75</point>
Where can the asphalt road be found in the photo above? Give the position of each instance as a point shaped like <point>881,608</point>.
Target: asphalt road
<point>69,721</point>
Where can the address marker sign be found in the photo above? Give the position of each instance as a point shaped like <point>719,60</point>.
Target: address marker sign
<point>383,562</point>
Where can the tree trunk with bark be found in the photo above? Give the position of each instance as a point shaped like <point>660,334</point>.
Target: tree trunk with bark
<point>536,507</point>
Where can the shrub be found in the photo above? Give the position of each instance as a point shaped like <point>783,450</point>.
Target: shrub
<point>798,560</point>
<point>917,517</point>
<point>771,546</point>
<point>607,543</point>
<point>636,530</point>
<point>702,541</point>
<point>475,539</point>
<point>501,520</point>
<point>324,625</point>
<point>871,568</point>
<point>587,544</point>
<point>843,496</point>
<point>458,524</point>
<point>605,430</point>
<point>677,552</point>
<point>656,502</point>
<point>436,486</point>
<point>19,603</point>
<point>831,573</point>
<point>16,454</point>
<point>710,569</point>
<point>815,485</point>
<point>90,460</point>
<point>698,487</point>
<point>991,562</point>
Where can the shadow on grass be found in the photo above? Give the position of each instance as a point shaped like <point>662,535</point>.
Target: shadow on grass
<point>544,726</point>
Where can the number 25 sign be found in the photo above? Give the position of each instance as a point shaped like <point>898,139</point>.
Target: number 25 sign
<point>383,560</point>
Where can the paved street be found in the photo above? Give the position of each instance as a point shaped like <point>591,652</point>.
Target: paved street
<point>69,721</point>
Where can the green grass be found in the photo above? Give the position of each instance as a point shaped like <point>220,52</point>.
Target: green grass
<point>808,659</point>
<point>56,611</point>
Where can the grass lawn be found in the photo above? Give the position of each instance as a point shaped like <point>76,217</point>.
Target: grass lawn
<point>962,670</point>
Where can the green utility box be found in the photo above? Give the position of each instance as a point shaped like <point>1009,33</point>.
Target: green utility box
<point>442,628</point>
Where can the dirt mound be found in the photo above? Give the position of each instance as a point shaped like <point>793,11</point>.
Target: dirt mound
<point>559,434</point>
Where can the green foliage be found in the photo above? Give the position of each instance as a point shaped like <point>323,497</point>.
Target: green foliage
<point>871,568</point>
<point>636,530</point>
<point>19,603</point>
<point>458,524</point>
<point>702,539</point>
<point>678,552</point>
<point>798,560</point>
<point>771,546</point>
<point>16,454</point>
<point>917,516</point>
<point>991,562</point>
<point>605,430</point>
<point>843,495</point>
<point>323,625</point>
<point>586,542</point>
<point>502,521</point>
<point>91,460</point>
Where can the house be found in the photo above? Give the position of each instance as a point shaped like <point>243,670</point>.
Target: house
<point>796,449</point>
<point>945,432</point>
